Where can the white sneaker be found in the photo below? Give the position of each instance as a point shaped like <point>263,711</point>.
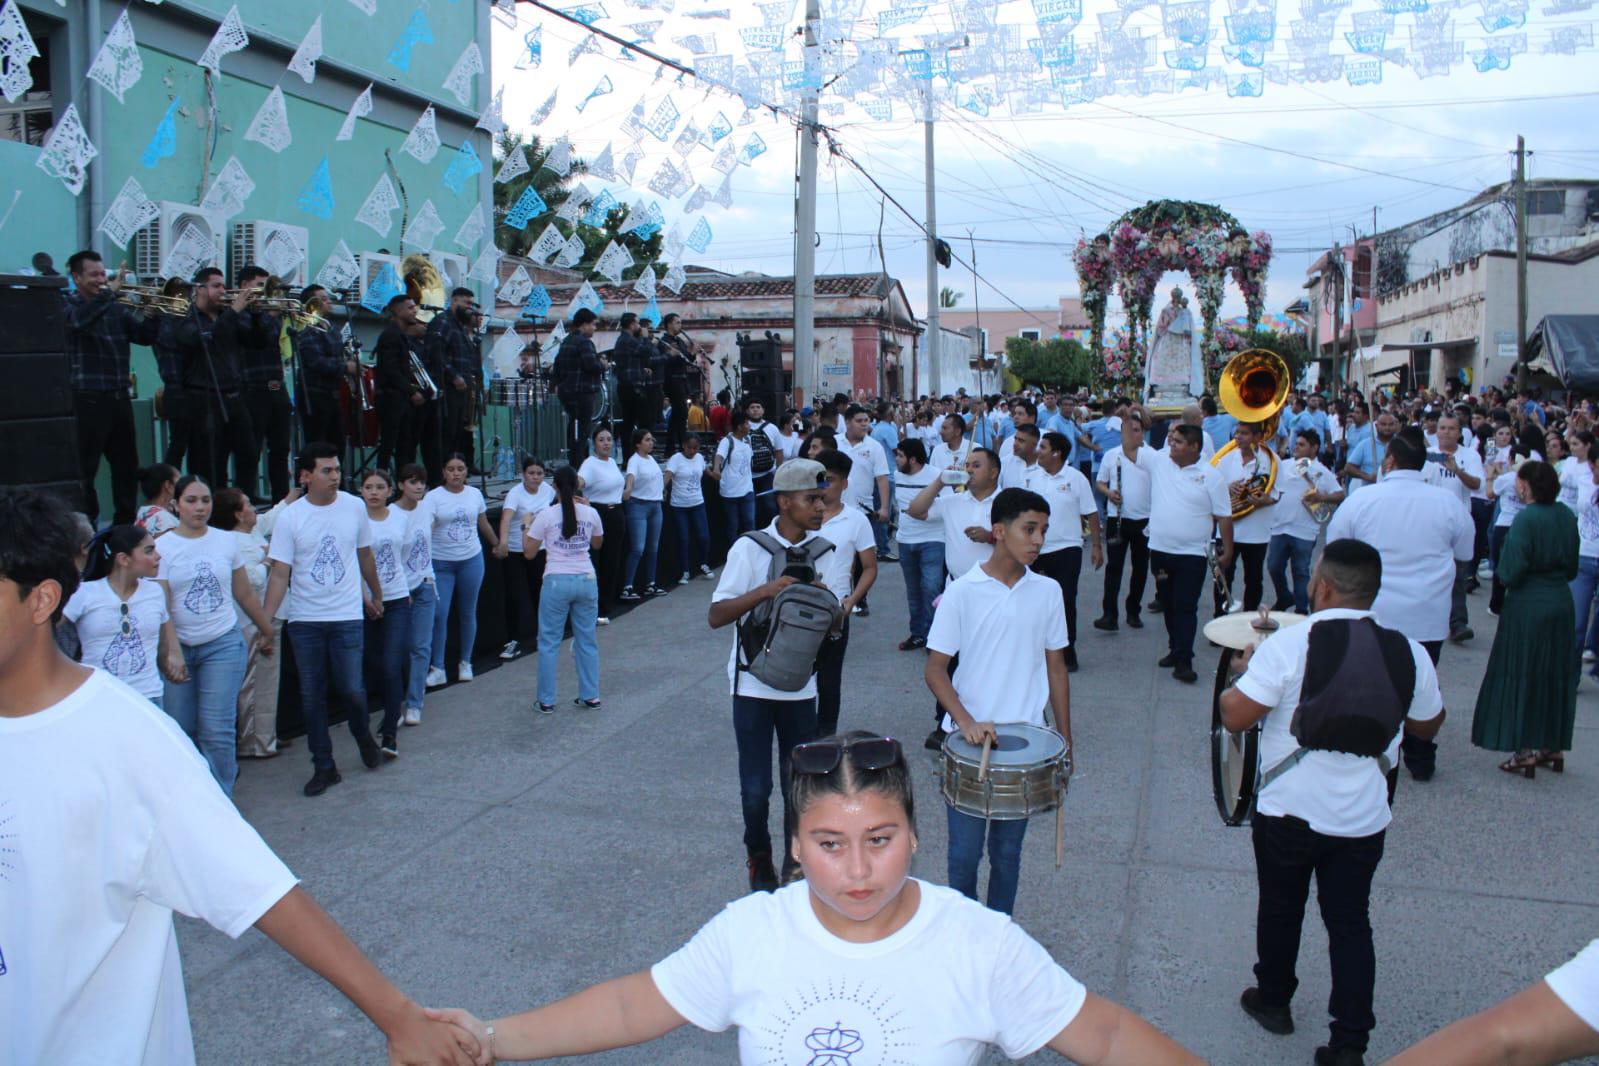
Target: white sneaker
<point>413,716</point>
<point>436,677</point>
<point>511,650</point>
<point>602,621</point>
<point>463,672</point>
<point>1588,655</point>
<point>707,571</point>
<point>684,579</point>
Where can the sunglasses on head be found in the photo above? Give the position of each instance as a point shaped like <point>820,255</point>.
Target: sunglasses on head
<point>824,756</point>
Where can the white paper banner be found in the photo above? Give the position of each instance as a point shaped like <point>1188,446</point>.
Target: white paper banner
<point>459,81</point>
<point>118,64</point>
<point>271,123</point>
<point>378,210</point>
<point>67,151</point>
<point>229,38</point>
<point>310,50</point>
<point>340,271</point>
<point>613,262</point>
<point>472,229</point>
<point>130,212</point>
<point>425,228</point>
<point>422,143</point>
<point>229,190</point>
<point>358,110</point>
<point>516,289</point>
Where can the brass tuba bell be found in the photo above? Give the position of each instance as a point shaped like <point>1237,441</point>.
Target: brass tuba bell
<point>1253,388</point>
<point>425,285</point>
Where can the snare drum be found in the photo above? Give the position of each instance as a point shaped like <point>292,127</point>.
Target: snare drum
<point>1027,772</point>
<point>1235,757</point>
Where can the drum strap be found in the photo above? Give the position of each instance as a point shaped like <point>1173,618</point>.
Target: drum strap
<point>1293,760</point>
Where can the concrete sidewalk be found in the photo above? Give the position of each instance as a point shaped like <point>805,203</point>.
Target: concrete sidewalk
<point>508,859</point>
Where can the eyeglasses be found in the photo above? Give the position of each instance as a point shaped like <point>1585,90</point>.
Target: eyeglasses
<point>867,753</point>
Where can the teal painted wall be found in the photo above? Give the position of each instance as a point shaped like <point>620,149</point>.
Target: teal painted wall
<point>45,219</point>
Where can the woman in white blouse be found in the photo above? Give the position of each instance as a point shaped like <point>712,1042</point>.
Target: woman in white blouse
<point>684,473</point>
<point>601,482</point>
<point>121,614</point>
<point>641,497</point>
<point>387,632</point>
<point>418,560</point>
<point>459,517</point>
<point>206,587</point>
<point>522,576</point>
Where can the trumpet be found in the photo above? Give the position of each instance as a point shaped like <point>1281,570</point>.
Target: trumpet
<point>422,379</point>
<point>151,300</point>
<point>1321,511</point>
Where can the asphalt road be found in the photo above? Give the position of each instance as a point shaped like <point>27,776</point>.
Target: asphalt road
<point>508,858</point>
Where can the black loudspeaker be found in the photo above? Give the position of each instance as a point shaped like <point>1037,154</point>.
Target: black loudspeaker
<point>38,430</point>
<point>772,387</point>
<point>764,353</point>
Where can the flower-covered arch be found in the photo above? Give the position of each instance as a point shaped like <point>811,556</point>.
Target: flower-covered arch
<point>1142,245</point>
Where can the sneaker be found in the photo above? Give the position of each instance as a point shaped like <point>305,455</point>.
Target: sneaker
<point>1344,1056</point>
<point>707,571</point>
<point>602,620</point>
<point>390,747</point>
<point>1184,672</point>
<point>763,877</point>
<point>887,557</point>
<point>1485,571</point>
<point>1168,662</point>
<point>912,643</point>
<point>684,579</point>
<point>463,671</point>
<point>436,677</point>
<point>546,708</point>
<point>1155,607</point>
<point>1421,773</point>
<point>1276,1020</point>
<point>653,591</point>
<point>511,650</point>
<point>371,757</point>
<point>1107,623</point>
<point>629,596</point>
<point>592,705</point>
<point>1135,622</point>
<point>1461,635</point>
<point>412,716</point>
<point>1588,656</point>
<point>935,740</point>
<point>1493,613</point>
<point>862,610</point>
<point>321,781</point>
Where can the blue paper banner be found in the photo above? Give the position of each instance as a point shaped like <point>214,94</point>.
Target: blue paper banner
<point>700,237</point>
<point>416,32</point>
<point>652,311</point>
<point>164,144</point>
<point>528,206</point>
<point>538,303</point>
<point>317,196</point>
<point>466,164</point>
<point>383,289</point>
<point>599,210</point>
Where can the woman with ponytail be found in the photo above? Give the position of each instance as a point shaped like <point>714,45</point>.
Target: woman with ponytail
<point>567,534</point>
<point>121,613</point>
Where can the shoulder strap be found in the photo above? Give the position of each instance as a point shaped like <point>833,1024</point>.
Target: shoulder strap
<point>774,548</point>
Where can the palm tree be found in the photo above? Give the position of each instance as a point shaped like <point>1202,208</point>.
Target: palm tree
<point>948,297</point>
<point>554,190</point>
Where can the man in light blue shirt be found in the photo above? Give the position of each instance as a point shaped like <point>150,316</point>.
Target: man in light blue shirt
<point>1218,425</point>
<point>1315,418</point>
<point>886,433</point>
<point>1368,443</point>
<point>1106,433</point>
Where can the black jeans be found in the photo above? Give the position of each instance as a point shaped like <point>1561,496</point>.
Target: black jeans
<point>1135,542</point>
<point>677,424</point>
<point>1287,853</point>
<point>321,421</point>
<point>1064,566</point>
<point>1482,513</point>
<point>579,408</point>
<point>396,430</point>
<point>1422,754</point>
<point>225,430</point>
<point>1254,557</point>
<point>612,554</point>
<point>755,722</point>
<point>105,427</point>
<point>524,578</point>
<point>457,432</point>
<point>270,416</point>
<point>179,410</point>
<point>1180,579</point>
<point>830,681</point>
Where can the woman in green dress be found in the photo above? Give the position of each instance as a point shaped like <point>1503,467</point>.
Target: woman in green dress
<point>1528,700</point>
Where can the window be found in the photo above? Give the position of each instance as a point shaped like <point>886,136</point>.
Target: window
<point>1546,202</point>
<point>1030,335</point>
<point>29,119</point>
<point>982,339</point>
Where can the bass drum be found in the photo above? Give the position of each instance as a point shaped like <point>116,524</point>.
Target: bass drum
<point>1235,757</point>
<point>358,407</point>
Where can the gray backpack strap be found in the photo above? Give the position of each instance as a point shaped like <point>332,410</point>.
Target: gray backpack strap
<point>775,548</point>
<point>1293,760</point>
<point>815,548</point>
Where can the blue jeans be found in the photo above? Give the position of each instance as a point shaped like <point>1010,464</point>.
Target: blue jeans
<point>643,541</point>
<point>388,644</point>
<point>923,565</point>
<point>693,536</point>
<point>966,836</point>
<point>206,705</point>
<point>738,512</point>
<point>327,656</point>
<point>880,530</point>
<point>466,578</point>
<point>419,652</point>
<point>1285,550</point>
<point>575,596</point>
<point>1583,587</point>
<point>755,722</point>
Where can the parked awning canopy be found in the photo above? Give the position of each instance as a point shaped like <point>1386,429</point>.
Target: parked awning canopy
<point>1567,346</point>
<point>1424,346</point>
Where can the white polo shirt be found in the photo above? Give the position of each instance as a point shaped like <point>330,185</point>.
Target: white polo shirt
<point>1290,516</point>
<point>1577,984</point>
<point>1207,448</point>
<point>1420,531</point>
<point>944,457</point>
<point>748,567</point>
<point>1070,499</point>
<point>1001,634</point>
<point>1339,794</point>
<point>1124,475</point>
<point>958,511</point>
<point>867,464</point>
<point>850,534</point>
<point>1013,473</point>
<point>1185,502</point>
<point>1254,527</point>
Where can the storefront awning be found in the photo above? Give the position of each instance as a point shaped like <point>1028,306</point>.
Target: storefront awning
<point>1426,346</point>
<point>1568,347</point>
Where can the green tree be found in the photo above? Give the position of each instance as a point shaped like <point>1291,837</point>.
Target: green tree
<point>948,297</point>
<point>1052,362</point>
<point>554,190</point>
<point>1293,347</point>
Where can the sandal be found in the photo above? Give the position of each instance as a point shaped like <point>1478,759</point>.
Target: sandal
<point>1554,760</point>
<point>1524,764</point>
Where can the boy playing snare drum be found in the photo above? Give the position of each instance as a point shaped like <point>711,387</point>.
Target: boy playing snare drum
<point>1008,625</point>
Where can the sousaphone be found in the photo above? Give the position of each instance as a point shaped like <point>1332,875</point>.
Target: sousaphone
<point>424,284</point>
<point>1253,388</point>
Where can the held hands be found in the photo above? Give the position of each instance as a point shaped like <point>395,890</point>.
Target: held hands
<point>424,1037</point>
<point>264,642</point>
<point>500,550</point>
<point>417,399</point>
<point>1113,496</point>
<point>173,666</point>
<point>459,383</point>
<point>466,1024</point>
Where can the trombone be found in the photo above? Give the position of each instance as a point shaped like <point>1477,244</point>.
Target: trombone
<point>151,300</point>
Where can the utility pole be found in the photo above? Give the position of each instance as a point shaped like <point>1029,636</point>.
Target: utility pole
<point>1521,262</point>
<point>806,378</point>
<point>977,312</point>
<point>935,382</point>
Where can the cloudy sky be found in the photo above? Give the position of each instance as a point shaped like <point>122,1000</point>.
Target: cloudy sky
<point>1304,162</point>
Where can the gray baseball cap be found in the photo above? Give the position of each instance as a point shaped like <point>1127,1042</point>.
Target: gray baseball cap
<point>800,475</point>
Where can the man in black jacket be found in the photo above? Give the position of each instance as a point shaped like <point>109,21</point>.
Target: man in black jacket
<point>399,397</point>
<point>677,366</point>
<point>453,361</point>
<point>635,377</point>
<point>261,370</point>
<point>323,368</point>
<point>578,371</point>
<point>208,342</point>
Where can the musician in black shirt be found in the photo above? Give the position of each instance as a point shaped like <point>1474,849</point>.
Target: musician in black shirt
<point>208,342</point>
<point>452,358</point>
<point>578,371</point>
<point>400,397</point>
<point>635,376</point>
<point>323,367</point>
<point>261,369</point>
<point>676,365</point>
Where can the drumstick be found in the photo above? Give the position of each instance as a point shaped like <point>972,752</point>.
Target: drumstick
<point>1060,834</point>
<point>982,767</point>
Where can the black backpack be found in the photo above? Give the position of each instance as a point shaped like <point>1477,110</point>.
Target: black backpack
<point>1359,681</point>
<point>763,458</point>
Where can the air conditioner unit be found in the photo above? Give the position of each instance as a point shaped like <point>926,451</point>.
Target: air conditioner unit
<point>280,248</point>
<point>155,241</point>
<point>453,267</point>
<point>372,264</point>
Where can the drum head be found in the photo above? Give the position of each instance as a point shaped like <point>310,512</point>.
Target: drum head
<point>1017,745</point>
<point>1234,760</point>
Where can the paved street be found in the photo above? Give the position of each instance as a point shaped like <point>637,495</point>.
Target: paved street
<point>509,858</point>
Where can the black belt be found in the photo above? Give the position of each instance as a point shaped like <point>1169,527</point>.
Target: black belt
<point>604,506</point>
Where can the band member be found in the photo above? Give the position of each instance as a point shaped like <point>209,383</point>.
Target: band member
<point>1245,469</point>
<point>209,341</point>
<point>99,330</point>
<point>89,769</point>
<point>1008,625</point>
<point>635,375</point>
<point>921,542</point>
<point>1333,696</point>
<point>400,397</point>
<point>451,347</point>
<point>1127,491</point>
<point>322,549</point>
<point>261,370</point>
<point>578,371</point>
<point>870,486</point>
<point>1421,531</point>
<point>1016,468</point>
<point>1293,529</point>
<point>324,364</point>
<point>677,355</point>
<point>1458,469</point>
<point>761,712</point>
<point>1070,500</point>
<point>173,405</point>
<point>849,572</point>
<point>770,965</point>
<point>1188,501</point>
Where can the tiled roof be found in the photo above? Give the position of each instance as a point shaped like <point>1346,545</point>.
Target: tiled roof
<point>725,288</point>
